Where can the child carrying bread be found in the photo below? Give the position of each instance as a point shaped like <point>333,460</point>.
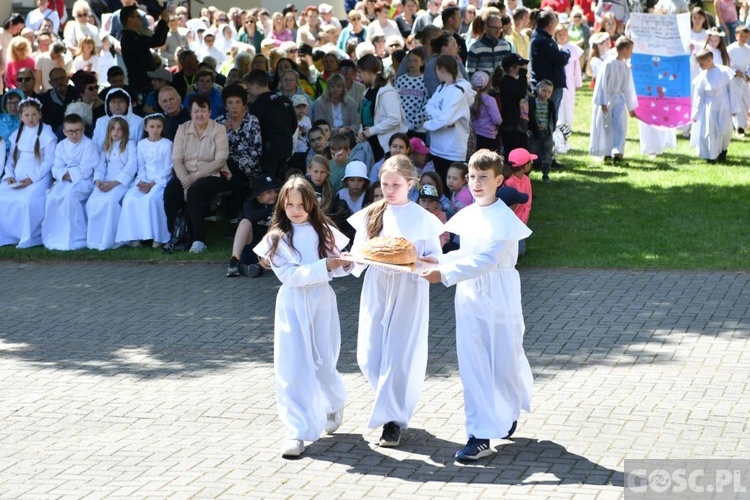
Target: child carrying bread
<point>301,247</point>
<point>495,373</point>
<point>394,307</point>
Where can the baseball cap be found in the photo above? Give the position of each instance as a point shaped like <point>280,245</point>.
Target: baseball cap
<point>520,157</point>
<point>418,146</point>
<point>356,168</point>
<point>299,100</point>
<point>160,74</point>
<point>324,8</point>
<point>513,60</point>
<point>429,191</point>
<point>263,184</point>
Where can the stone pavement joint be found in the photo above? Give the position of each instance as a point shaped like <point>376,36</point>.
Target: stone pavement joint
<point>143,380</point>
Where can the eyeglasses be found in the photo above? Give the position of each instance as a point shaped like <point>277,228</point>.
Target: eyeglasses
<point>24,79</point>
<point>577,16</point>
<point>81,14</point>
<point>92,88</point>
<point>74,131</point>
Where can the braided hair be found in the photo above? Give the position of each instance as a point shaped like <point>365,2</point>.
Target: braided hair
<point>37,147</point>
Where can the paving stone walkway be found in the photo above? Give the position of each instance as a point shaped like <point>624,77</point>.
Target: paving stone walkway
<point>147,380</point>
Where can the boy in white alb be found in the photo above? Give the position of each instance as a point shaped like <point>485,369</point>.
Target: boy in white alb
<point>76,157</point>
<point>739,55</point>
<point>495,373</point>
<point>715,101</point>
<point>614,97</point>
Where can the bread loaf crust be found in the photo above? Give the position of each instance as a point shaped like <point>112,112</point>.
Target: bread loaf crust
<point>390,250</point>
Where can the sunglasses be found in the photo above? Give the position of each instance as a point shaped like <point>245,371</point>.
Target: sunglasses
<point>24,79</point>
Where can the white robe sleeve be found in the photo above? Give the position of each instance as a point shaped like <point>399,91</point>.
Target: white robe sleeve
<point>631,98</point>
<point>462,267</point>
<point>48,147</point>
<point>126,174</point>
<point>165,172</point>
<point>89,160</point>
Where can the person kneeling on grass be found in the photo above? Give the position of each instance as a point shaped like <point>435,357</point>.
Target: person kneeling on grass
<point>497,384</point>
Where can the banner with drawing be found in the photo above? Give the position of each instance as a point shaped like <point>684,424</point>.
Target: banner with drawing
<point>661,68</point>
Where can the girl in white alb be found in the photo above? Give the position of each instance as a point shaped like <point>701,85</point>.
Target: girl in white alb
<point>301,247</point>
<point>24,184</point>
<point>143,216</point>
<point>112,178</point>
<point>394,307</point>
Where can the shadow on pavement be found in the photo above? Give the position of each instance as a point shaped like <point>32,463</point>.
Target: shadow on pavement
<point>520,461</point>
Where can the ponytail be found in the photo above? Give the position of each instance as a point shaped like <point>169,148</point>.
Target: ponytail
<point>37,151</point>
<point>476,106</point>
<point>375,218</point>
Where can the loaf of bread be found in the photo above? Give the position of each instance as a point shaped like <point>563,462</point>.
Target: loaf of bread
<point>390,250</point>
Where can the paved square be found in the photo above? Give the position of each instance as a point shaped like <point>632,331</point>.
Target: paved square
<point>148,380</point>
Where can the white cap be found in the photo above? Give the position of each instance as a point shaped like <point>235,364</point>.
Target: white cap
<point>356,168</point>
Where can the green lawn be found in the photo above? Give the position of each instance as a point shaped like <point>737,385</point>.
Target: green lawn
<point>672,212</point>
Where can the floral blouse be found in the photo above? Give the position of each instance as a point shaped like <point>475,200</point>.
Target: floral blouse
<point>245,145</point>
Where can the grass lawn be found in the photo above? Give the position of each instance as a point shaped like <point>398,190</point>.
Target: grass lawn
<point>671,212</point>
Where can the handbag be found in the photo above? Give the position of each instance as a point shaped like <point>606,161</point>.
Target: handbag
<point>180,239</point>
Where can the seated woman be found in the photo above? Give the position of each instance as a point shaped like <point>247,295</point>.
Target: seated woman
<point>336,108</point>
<point>200,156</point>
<point>10,118</point>
<point>245,146</point>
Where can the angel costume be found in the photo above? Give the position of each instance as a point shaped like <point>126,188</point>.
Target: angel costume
<point>495,373</point>
<point>307,333</point>
<point>394,316</point>
<point>22,209</point>
<point>739,55</point>
<point>614,88</point>
<point>103,208</point>
<point>64,225</point>
<point>715,98</point>
<point>143,216</point>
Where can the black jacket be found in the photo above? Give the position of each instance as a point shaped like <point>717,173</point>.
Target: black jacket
<point>278,122</point>
<point>512,91</point>
<point>547,60</point>
<point>136,52</point>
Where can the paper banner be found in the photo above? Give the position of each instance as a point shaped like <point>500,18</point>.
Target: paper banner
<point>661,68</point>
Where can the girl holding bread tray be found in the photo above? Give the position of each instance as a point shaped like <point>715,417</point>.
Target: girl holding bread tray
<point>394,306</point>
<point>302,248</point>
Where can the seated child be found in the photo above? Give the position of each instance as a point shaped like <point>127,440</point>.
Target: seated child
<point>398,144</point>
<point>356,184</point>
<point>340,148</point>
<point>76,157</point>
<point>433,179</point>
<point>419,154</point>
<point>303,127</point>
<point>112,178</point>
<point>143,216</point>
<point>24,184</point>
<point>429,199</point>
<point>460,194</point>
<point>257,210</point>
<point>318,144</point>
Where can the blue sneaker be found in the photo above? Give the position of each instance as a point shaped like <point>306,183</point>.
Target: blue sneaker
<point>474,449</point>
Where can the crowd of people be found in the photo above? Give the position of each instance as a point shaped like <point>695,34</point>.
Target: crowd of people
<point>138,125</point>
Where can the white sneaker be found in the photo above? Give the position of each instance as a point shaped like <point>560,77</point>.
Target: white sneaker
<point>198,247</point>
<point>293,448</point>
<point>333,421</point>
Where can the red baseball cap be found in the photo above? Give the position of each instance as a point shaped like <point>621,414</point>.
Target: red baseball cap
<point>520,157</point>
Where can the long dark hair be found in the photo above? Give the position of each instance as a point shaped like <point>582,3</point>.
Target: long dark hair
<point>372,64</point>
<point>282,228</point>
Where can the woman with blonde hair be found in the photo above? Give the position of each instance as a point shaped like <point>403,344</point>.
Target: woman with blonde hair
<point>279,34</point>
<point>19,57</point>
<point>336,108</point>
<point>86,58</point>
